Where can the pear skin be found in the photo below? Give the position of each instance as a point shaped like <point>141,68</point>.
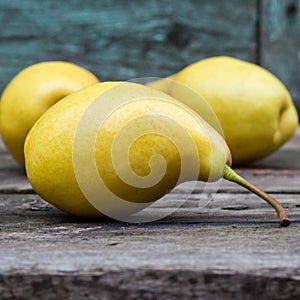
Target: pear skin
<point>254,108</point>
<point>30,93</point>
<point>48,147</point>
<point>145,145</point>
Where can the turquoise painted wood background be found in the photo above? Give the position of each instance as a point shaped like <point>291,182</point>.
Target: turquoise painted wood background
<point>125,39</point>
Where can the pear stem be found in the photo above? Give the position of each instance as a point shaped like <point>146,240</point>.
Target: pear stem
<point>232,176</point>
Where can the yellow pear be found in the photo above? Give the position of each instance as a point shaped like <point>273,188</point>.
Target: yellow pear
<point>31,92</point>
<point>114,148</point>
<point>254,108</point>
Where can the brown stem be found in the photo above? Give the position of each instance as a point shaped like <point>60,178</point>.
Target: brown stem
<point>230,175</point>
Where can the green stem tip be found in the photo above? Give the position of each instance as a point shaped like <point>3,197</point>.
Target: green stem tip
<point>232,176</point>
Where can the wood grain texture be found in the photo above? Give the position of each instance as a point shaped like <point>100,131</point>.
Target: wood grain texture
<point>225,254</point>
<point>280,42</point>
<point>121,40</point>
<point>228,247</point>
<point>273,174</point>
<point>225,245</point>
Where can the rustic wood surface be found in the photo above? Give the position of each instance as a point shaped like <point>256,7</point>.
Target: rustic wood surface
<point>225,245</point>
<point>280,42</point>
<point>126,39</point>
<point>121,40</point>
<point>228,247</point>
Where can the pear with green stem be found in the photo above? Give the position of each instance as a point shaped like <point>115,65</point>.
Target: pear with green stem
<point>145,146</point>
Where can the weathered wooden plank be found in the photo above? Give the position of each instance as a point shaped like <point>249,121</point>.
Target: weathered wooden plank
<point>219,208</point>
<point>14,182</point>
<point>121,40</point>
<point>6,160</point>
<point>163,284</point>
<point>228,247</point>
<point>2,146</point>
<point>280,42</point>
<point>277,173</point>
<point>188,255</point>
<point>225,245</point>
